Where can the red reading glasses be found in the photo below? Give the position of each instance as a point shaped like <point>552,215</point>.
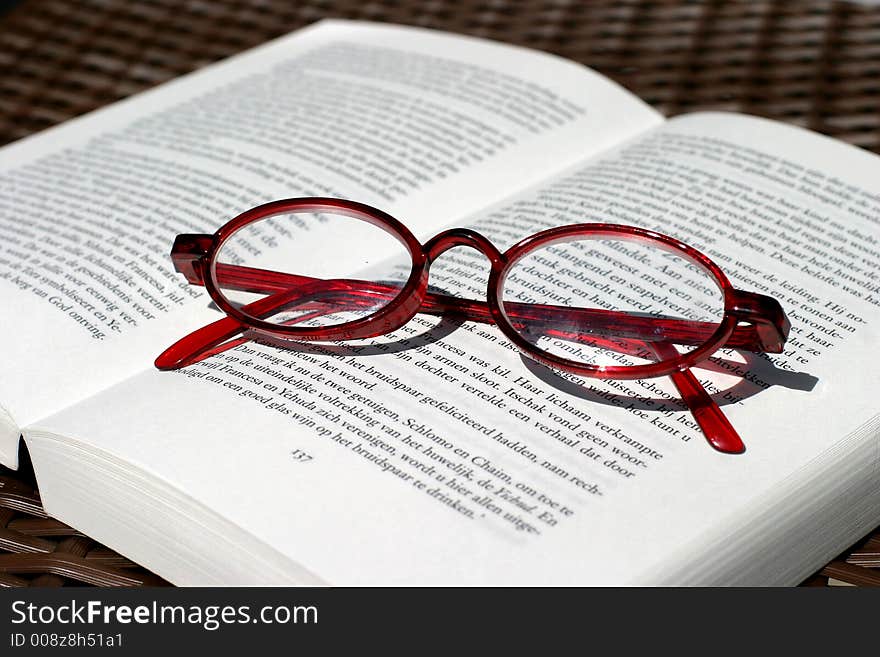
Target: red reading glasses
<point>597,300</point>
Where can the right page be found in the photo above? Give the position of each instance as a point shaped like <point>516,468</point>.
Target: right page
<point>439,455</point>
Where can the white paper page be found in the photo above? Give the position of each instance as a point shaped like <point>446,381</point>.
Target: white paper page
<point>424,125</point>
<point>529,501</point>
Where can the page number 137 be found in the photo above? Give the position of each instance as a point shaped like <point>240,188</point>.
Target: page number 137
<point>300,456</point>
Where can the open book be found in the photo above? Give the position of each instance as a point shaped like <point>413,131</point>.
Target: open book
<point>436,455</point>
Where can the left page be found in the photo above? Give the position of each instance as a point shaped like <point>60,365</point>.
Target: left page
<point>424,125</point>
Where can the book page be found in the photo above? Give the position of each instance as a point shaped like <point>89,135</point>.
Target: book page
<point>438,454</point>
<point>424,125</point>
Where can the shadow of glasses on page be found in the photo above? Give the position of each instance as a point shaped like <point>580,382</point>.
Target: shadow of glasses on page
<point>756,374</point>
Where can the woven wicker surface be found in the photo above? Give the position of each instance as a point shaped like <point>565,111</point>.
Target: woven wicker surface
<point>36,550</point>
<point>816,64</point>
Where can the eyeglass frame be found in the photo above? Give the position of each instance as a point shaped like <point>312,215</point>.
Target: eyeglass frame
<point>750,321</point>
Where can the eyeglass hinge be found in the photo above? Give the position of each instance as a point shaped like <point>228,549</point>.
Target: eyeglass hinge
<point>766,317</point>
<point>188,255</point>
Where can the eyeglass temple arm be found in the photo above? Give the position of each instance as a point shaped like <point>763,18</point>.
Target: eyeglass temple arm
<point>212,338</point>
<point>763,325</point>
<point>216,337</point>
<point>717,429</point>
<point>714,423</point>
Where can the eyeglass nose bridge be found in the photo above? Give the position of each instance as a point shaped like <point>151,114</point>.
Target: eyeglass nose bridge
<point>449,239</point>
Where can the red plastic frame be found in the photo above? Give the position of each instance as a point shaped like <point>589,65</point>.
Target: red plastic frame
<point>751,321</point>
